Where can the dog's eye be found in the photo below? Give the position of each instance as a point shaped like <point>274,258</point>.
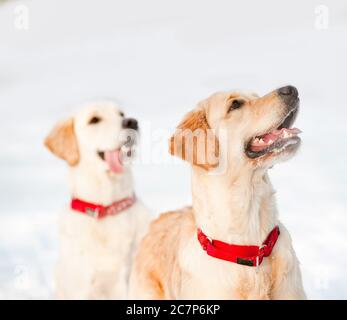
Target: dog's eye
<point>94,120</point>
<point>121,114</point>
<point>236,104</point>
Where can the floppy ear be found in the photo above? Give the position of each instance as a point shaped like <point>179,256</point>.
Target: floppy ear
<point>195,142</point>
<point>63,143</point>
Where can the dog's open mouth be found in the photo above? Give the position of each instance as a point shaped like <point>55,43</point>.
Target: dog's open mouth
<point>113,158</point>
<point>117,157</point>
<point>275,140</point>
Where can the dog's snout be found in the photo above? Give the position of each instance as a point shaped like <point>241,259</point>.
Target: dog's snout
<point>130,123</point>
<point>288,94</point>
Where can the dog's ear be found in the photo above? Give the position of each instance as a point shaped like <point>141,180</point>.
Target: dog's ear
<point>63,143</point>
<point>195,142</point>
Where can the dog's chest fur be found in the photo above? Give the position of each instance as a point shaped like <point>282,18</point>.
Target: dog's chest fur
<point>204,277</point>
<point>107,233</point>
<point>96,254</point>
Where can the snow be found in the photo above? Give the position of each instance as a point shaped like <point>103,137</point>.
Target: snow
<point>159,58</point>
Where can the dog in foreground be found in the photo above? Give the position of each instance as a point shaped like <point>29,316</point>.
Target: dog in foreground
<point>104,222</point>
<point>230,244</point>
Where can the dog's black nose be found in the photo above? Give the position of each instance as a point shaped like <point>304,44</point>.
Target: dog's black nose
<point>130,123</point>
<point>288,91</point>
<point>288,94</point>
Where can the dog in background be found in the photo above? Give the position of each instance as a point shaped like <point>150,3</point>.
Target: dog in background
<point>230,244</point>
<point>105,220</point>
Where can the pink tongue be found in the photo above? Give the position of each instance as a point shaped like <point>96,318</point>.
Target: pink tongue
<point>113,160</point>
<point>273,136</point>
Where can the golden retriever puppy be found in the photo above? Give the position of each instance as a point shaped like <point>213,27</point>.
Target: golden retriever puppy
<point>105,220</point>
<point>230,244</point>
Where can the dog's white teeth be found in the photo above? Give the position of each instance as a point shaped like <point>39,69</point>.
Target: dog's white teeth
<point>270,141</point>
<point>287,134</point>
<point>261,141</point>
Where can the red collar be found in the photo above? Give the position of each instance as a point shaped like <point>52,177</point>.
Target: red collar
<point>98,211</point>
<point>247,255</point>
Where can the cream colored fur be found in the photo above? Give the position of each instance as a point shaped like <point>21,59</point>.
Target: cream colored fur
<point>235,206</point>
<point>95,255</point>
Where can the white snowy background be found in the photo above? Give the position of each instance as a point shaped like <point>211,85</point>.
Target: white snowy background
<point>159,58</point>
